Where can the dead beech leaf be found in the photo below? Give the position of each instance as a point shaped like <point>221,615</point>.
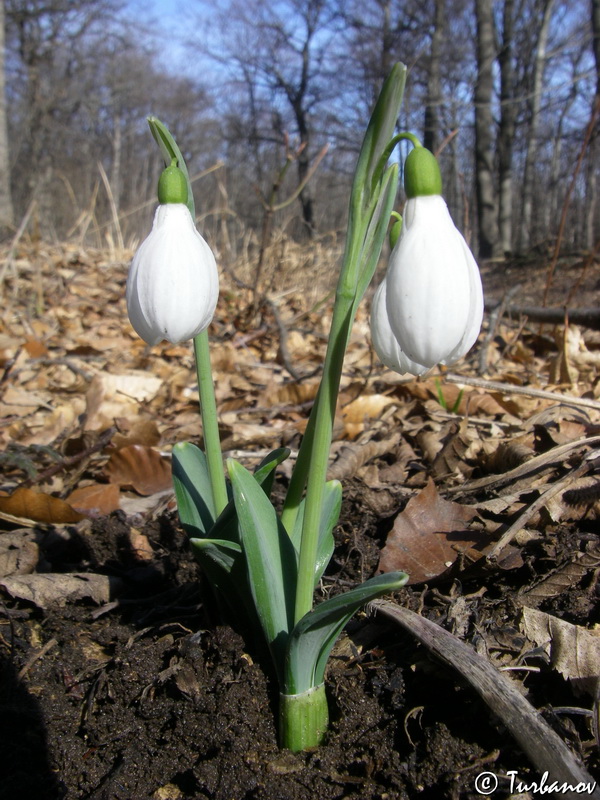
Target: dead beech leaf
<point>61,588</point>
<point>111,396</point>
<point>97,500</point>
<point>19,553</point>
<point>139,467</point>
<point>35,349</point>
<point>366,406</point>
<point>427,536</point>
<point>40,507</point>
<point>289,394</point>
<point>574,651</point>
<point>455,442</point>
<point>142,432</point>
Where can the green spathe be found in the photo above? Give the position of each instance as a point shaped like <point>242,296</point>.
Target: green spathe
<point>172,186</point>
<point>422,173</point>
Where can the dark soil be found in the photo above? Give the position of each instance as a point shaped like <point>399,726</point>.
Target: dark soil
<point>154,697</point>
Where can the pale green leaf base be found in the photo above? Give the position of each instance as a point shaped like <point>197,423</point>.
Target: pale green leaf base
<point>303,719</point>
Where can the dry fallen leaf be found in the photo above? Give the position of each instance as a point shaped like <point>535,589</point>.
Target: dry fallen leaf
<point>19,553</point>
<point>356,414</point>
<point>59,588</point>
<point>574,651</point>
<point>29,504</point>
<point>139,467</point>
<point>95,500</point>
<point>110,396</point>
<point>143,431</point>
<point>427,536</point>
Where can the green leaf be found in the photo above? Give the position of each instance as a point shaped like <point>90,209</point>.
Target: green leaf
<point>217,558</point>
<point>379,132</point>
<point>265,472</point>
<point>194,496</point>
<point>170,150</point>
<point>192,489</point>
<point>270,559</point>
<point>224,566</point>
<point>376,231</point>
<point>330,513</point>
<point>311,640</point>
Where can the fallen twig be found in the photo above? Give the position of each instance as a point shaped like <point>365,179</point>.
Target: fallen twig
<point>509,388</point>
<point>589,317</point>
<point>546,750</point>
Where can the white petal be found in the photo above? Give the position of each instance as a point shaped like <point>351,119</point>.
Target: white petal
<point>433,288</point>
<point>475,311</point>
<point>384,341</point>
<point>173,283</point>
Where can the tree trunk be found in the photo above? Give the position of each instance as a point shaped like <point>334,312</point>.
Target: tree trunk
<point>115,173</point>
<point>525,228</point>
<point>596,35</point>
<point>6,206</point>
<point>484,138</point>
<point>434,92</point>
<point>506,130</point>
<point>592,177</point>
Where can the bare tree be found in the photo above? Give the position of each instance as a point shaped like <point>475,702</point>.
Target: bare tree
<point>484,135</point>
<point>596,40</point>
<point>277,53</point>
<point>6,207</point>
<point>506,130</point>
<point>432,123</point>
<point>534,99</point>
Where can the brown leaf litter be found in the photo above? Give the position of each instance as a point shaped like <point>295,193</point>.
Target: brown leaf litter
<point>483,485</point>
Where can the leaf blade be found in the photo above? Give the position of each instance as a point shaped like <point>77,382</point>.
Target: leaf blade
<point>270,559</point>
<point>312,638</point>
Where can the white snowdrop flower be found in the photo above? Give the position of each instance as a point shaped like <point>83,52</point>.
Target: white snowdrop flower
<point>430,309</point>
<point>385,343</point>
<point>173,282</point>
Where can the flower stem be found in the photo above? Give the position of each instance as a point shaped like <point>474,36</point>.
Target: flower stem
<point>313,458</point>
<point>210,426</point>
<point>303,719</point>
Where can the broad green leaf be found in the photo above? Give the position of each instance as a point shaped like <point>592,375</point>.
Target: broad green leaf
<point>221,551</point>
<point>312,638</point>
<point>194,495</point>
<point>330,513</point>
<point>192,489</point>
<point>223,564</point>
<point>270,559</point>
<point>170,150</point>
<point>265,472</point>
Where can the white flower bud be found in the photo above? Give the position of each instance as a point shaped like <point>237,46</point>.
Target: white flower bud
<point>173,282</point>
<point>433,298</point>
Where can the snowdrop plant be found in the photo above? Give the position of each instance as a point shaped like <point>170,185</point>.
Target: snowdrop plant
<point>264,566</point>
<point>429,307</point>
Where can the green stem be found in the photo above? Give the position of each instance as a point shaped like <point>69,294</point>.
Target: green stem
<point>385,156</point>
<point>210,426</point>
<point>303,719</point>
<point>314,454</point>
<point>307,456</point>
<point>295,490</point>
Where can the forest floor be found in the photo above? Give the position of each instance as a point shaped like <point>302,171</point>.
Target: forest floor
<point>118,677</point>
